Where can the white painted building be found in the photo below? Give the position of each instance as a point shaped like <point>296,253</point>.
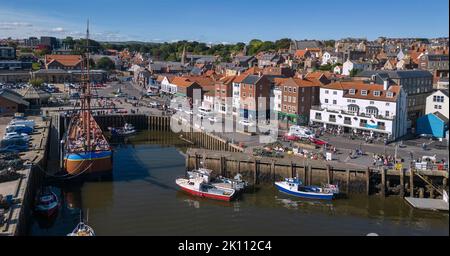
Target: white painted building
<point>167,86</point>
<point>277,94</point>
<point>359,106</point>
<point>349,65</point>
<point>438,102</point>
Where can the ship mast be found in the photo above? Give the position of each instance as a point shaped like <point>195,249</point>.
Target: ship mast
<point>86,91</point>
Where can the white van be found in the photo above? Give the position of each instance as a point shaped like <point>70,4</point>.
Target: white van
<point>29,123</point>
<point>300,131</point>
<point>204,112</point>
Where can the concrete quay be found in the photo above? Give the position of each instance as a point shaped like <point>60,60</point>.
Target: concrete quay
<point>24,189</point>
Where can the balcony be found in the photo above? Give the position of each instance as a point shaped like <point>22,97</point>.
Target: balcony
<point>332,120</point>
<point>318,117</point>
<point>348,122</point>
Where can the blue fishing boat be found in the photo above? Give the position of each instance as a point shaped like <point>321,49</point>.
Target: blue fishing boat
<point>295,187</point>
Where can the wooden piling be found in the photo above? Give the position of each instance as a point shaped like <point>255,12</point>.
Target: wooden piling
<point>255,171</point>
<point>402,182</point>
<point>411,182</point>
<point>383,182</point>
<point>272,169</point>
<point>292,170</point>
<point>347,183</point>
<point>368,181</point>
<point>328,175</point>
<point>421,192</point>
<point>309,174</point>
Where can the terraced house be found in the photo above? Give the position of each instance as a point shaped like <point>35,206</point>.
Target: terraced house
<point>297,97</point>
<point>255,91</point>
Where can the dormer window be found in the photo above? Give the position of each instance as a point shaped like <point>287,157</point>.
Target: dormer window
<point>364,92</point>
<point>376,93</point>
<point>390,94</point>
<point>352,91</point>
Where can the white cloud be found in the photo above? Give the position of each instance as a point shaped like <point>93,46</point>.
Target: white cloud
<point>58,29</point>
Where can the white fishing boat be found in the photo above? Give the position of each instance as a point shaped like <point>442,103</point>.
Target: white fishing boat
<point>82,229</point>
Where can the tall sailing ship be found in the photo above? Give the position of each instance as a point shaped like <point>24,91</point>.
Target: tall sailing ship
<point>86,149</point>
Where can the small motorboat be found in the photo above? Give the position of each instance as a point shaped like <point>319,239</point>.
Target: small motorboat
<point>47,202</point>
<point>127,129</point>
<point>201,187</point>
<point>294,186</point>
<point>82,229</point>
<point>236,183</point>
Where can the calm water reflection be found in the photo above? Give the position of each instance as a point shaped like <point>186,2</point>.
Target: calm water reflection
<point>143,199</point>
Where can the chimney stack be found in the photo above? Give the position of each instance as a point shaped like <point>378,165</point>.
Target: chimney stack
<point>385,85</point>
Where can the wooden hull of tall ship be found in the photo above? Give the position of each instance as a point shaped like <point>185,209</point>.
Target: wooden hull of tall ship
<point>89,162</point>
<point>78,161</point>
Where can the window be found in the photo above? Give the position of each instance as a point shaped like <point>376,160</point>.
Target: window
<point>352,91</point>
<point>353,109</point>
<point>243,94</point>
<point>293,99</point>
<point>294,89</point>
<point>326,100</point>
<point>289,108</point>
<point>334,92</point>
<point>326,91</point>
<point>349,100</point>
<point>284,106</point>
<point>387,113</point>
<point>372,111</point>
<point>438,98</point>
<point>334,102</point>
<point>303,89</point>
<point>376,93</point>
<point>364,92</point>
<point>289,99</point>
<point>285,88</point>
<point>285,98</point>
<point>387,104</point>
<point>390,94</point>
<point>303,99</point>
<point>372,102</point>
<point>290,89</point>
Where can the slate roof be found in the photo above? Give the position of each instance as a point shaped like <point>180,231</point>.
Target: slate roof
<point>13,96</point>
<point>395,74</point>
<point>251,79</point>
<point>441,116</point>
<point>303,44</point>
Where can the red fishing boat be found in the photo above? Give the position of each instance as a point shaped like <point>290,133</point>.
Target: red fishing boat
<point>201,187</point>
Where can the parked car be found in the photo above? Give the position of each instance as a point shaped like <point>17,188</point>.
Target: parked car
<point>153,104</point>
<point>290,137</point>
<point>19,129</point>
<point>318,142</point>
<point>29,123</point>
<point>15,135</point>
<point>246,122</point>
<point>215,119</point>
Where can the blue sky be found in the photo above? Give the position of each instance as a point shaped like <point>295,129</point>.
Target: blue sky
<point>226,20</point>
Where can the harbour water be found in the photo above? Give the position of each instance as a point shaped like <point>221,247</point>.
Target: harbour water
<point>142,199</point>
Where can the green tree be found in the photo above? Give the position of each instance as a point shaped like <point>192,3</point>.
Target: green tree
<point>283,43</point>
<point>353,72</point>
<point>105,63</point>
<point>36,82</point>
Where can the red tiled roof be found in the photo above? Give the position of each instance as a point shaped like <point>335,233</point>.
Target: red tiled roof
<point>66,60</point>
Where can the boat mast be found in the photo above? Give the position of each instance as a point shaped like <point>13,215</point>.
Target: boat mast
<point>87,96</point>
